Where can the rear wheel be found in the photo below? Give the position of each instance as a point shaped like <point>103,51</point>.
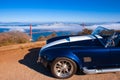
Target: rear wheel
<point>63,68</point>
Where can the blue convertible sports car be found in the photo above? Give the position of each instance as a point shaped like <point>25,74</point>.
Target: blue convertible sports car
<point>95,53</point>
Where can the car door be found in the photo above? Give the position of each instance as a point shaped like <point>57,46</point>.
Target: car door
<point>115,56</point>
<point>97,57</point>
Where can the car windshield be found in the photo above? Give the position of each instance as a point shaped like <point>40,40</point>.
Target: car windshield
<point>108,36</point>
<point>102,31</point>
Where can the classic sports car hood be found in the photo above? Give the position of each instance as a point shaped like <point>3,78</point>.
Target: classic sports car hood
<point>71,39</point>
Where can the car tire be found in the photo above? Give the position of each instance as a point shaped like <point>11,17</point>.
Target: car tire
<point>63,68</point>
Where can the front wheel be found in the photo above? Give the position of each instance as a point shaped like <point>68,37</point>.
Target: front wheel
<point>63,68</point>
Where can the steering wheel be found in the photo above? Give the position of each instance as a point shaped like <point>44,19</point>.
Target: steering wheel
<point>111,41</point>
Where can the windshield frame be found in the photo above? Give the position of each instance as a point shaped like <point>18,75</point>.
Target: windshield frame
<point>98,30</point>
<point>104,33</point>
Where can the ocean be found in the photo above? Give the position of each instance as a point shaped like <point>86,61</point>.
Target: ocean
<point>37,33</point>
<point>60,28</point>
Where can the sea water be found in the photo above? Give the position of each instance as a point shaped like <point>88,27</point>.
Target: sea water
<point>42,29</point>
<point>38,33</point>
<point>61,29</point>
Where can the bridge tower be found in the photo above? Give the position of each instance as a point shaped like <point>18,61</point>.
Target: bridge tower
<point>31,32</point>
<point>83,26</point>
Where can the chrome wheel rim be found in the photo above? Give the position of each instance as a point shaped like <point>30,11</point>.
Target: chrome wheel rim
<point>63,68</point>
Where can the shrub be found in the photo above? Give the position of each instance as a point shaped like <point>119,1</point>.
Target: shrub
<point>43,38</point>
<point>85,32</point>
<point>51,35</point>
<point>13,37</point>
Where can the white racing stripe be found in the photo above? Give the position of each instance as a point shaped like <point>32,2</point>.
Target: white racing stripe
<point>72,39</point>
<point>99,37</point>
<point>55,43</point>
<point>80,38</point>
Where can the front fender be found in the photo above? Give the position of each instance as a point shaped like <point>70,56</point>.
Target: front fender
<point>51,56</point>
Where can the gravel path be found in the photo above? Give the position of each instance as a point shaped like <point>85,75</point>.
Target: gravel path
<point>20,64</point>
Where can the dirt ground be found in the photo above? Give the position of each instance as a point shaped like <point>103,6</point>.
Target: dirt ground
<point>18,62</point>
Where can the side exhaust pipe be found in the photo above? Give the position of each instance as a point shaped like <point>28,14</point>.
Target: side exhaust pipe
<point>93,71</point>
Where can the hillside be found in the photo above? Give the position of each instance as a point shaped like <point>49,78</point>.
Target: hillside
<point>18,62</point>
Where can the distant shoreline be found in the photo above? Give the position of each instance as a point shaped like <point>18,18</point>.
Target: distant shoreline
<point>61,28</point>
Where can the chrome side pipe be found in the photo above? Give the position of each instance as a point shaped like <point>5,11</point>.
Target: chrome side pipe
<point>93,71</point>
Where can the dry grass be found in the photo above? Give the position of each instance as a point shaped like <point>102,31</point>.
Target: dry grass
<point>15,37</point>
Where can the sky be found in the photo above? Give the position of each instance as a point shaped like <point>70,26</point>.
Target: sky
<point>59,10</point>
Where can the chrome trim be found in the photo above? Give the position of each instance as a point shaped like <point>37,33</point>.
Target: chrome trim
<point>93,71</point>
